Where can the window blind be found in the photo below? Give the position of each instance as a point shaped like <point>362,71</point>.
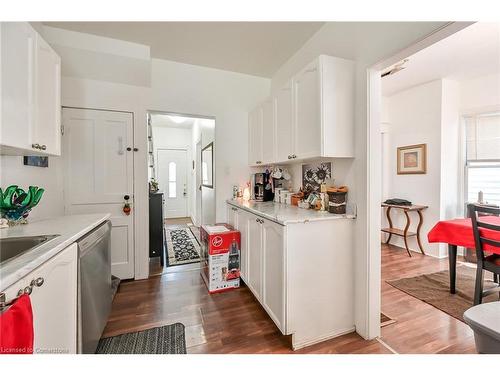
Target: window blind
<point>483,137</point>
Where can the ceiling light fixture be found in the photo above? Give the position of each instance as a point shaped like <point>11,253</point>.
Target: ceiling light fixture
<point>395,68</point>
<point>177,119</point>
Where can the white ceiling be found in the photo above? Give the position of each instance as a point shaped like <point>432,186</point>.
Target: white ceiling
<point>172,121</point>
<point>470,53</point>
<point>256,48</point>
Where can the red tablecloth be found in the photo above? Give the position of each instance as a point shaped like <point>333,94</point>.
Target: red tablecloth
<point>459,232</point>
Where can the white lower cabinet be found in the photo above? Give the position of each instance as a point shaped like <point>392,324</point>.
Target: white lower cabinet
<point>243,220</point>
<point>273,255</point>
<point>232,216</point>
<point>300,272</point>
<point>54,303</point>
<point>254,243</point>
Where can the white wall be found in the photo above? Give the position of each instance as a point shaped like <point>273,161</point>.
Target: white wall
<point>480,94</point>
<point>415,117</point>
<point>99,58</point>
<point>14,172</point>
<point>367,43</point>
<point>228,97</point>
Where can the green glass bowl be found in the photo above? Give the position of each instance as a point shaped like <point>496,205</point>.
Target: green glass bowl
<point>16,204</point>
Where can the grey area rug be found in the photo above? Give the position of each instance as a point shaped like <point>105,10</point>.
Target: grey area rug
<point>434,289</point>
<point>182,246</point>
<point>168,339</point>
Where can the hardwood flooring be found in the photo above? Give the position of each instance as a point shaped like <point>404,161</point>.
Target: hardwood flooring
<point>420,327</point>
<point>234,322</point>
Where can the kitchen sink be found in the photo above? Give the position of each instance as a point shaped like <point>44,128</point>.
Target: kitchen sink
<point>12,247</point>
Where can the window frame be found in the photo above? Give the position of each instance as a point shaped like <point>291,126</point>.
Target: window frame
<point>469,164</point>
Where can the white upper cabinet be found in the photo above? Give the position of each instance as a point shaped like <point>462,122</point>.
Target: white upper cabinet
<point>307,93</point>
<point>30,92</point>
<point>284,120</point>
<point>313,114</point>
<point>255,136</point>
<point>268,125</point>
<point>48,98</point>
<point>17,52</point>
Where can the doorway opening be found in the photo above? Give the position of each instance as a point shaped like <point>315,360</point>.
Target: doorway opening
<point>182,196</point>
<point>420,143</point>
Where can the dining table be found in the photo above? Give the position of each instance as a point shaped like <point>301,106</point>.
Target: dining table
<point>458,232</point>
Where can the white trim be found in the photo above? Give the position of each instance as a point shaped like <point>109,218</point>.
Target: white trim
<point>303,344</point>
<point>387,346</point>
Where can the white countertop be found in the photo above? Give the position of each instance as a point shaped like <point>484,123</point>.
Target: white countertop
<point>69,228</point>
<point>284,213</point>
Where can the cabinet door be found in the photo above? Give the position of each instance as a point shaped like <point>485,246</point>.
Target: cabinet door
<point>284,123</point>
<point>307,112</point>
<point>274,272</point>
<point>243,220</point>
<point>255,256</point>
<point>255,137</point>
<point>268,132</point>
<point>55,302</point>
<point>17,64</point>
<point>232,216</point>
<point>48,98</point>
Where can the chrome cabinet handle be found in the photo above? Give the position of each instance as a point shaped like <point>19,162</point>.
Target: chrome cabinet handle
<point>27,290</point>
<point>35,146</point>
<point>37,282</point>
<point>43,147</point>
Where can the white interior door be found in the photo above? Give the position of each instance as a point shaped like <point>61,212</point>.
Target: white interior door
<point>98,162</point>
<point>172,180</point>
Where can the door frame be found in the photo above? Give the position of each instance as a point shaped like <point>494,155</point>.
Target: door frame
<point>370,316</point>
<point>187,148</point>
<point>193,151</point>
<point>198,202</point>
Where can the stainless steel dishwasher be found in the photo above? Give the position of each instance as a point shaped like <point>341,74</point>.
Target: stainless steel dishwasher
<point>94,286</point>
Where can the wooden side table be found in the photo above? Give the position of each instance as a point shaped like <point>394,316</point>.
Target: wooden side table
<point>404,232</point>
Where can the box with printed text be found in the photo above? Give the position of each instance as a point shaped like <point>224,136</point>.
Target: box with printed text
<point>220,257</point>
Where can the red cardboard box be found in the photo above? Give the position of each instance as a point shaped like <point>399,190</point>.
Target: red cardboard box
<point>220,257</point>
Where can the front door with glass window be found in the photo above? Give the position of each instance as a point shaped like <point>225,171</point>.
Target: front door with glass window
<point>172,181</point>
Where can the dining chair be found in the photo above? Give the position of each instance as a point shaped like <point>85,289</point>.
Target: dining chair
<point>485,261</point>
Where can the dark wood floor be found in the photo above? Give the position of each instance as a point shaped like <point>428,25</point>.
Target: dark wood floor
<point>234,322</point>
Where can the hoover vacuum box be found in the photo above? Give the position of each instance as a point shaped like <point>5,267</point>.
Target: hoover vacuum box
<point>220,257</point>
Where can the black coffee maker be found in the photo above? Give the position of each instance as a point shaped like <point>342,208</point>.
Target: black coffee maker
<point>263,190</point>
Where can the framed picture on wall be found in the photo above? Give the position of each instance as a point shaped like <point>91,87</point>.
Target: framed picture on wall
<point>412,159</point>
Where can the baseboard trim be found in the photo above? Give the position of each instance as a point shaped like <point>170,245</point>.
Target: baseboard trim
<point>329,336</point>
